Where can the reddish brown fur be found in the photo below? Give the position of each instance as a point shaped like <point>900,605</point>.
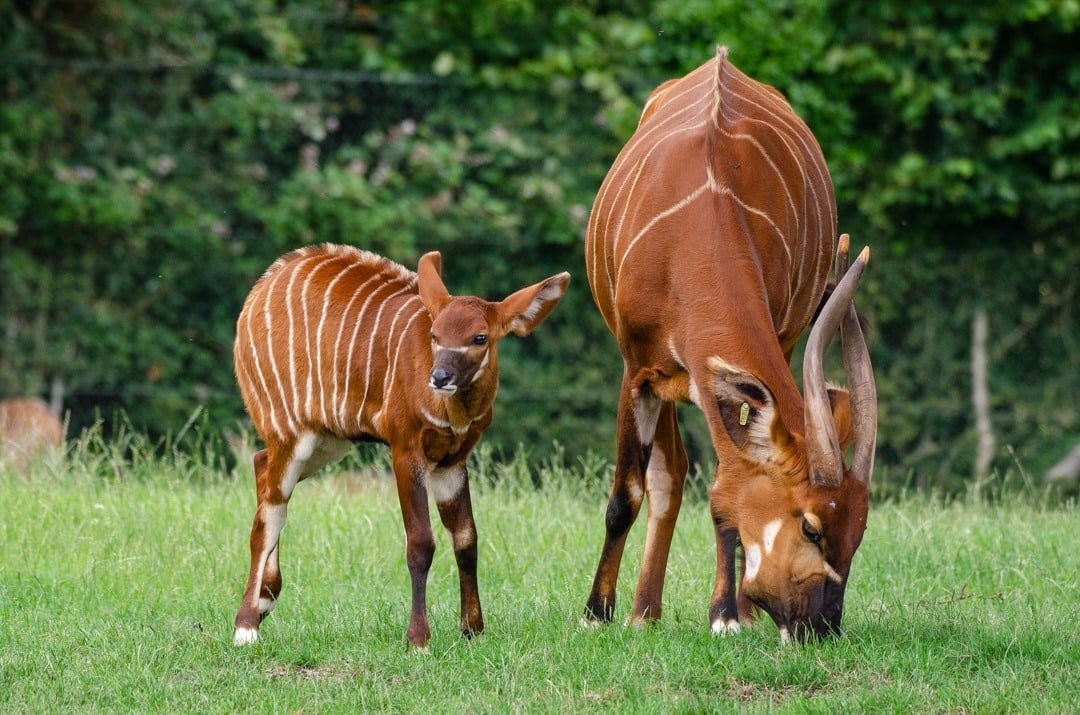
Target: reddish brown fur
<point>336,345</point>
<point>708,249</point>
<point>28,429</point>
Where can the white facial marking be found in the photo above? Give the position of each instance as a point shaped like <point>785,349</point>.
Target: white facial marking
<point>722,627</point>
<point>752,562</point>
<point>245,636</point>
<point>483,364</point>
<point>832,574</point>
<point>445,484</point>
<point>461,349</point>
<point>768,536</point>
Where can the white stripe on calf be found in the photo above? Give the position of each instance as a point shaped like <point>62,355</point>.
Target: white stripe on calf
<point>376,336</point>
<point>269,325</point>
<point>291,349</point>
<point>323,313</point>
<point>349,345</point>
<point>305,302</point>
<point>395,359</point>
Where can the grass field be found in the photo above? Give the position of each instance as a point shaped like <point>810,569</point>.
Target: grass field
<point>120,576</point>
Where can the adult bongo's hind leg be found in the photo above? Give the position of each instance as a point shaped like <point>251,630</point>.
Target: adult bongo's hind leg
<point>664,480</point>
<point>638,412</point>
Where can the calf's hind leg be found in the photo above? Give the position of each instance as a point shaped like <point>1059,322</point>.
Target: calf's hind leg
<point>278,469</point>
<point>264,575</point>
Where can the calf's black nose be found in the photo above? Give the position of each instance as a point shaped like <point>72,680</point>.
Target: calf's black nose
<point>440,377</point>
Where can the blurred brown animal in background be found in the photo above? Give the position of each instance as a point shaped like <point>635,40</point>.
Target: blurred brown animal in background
<point>28,429</point>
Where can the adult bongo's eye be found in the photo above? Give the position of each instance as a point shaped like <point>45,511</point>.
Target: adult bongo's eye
<point>480,340</point>
<point>810,532</point>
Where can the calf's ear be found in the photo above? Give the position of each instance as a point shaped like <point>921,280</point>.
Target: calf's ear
<point>433,292</point>
<point>525,309</point>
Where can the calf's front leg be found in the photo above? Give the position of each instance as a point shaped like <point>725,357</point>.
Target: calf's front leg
<point>450,488</point>
<point>419,542</point>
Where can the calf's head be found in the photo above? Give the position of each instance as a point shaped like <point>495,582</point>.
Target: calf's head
<point>465,329</point>
<point>800,512</point>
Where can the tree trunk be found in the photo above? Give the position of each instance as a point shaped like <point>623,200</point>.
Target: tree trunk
<point>1067,470</point>
<point>980,397</point>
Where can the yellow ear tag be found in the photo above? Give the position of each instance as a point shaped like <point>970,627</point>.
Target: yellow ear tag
<point>744,413</point>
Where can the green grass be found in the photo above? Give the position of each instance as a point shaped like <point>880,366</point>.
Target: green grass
<point>119,579</point>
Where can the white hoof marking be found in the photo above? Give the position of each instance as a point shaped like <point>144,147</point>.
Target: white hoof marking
<point>589,624</point>
<point>245,636</point>
<point>721,627</point>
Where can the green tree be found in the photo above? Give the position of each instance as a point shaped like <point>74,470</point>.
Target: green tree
<point>153,162</point>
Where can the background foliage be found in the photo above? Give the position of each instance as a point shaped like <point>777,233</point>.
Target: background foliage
<point>153,161</point>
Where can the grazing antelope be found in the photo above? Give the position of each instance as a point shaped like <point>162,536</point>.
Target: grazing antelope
<point>708,250</point>
<point>337,345</point>
<point>27,429</point>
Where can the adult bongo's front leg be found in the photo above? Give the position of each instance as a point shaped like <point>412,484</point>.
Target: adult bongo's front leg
<point>723,607</point>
